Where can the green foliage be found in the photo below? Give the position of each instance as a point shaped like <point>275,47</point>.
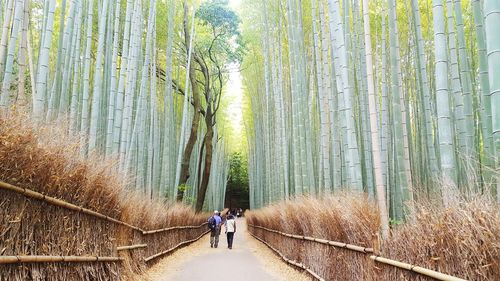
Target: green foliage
<point>395,222</point>
<point>219,37</point>
<point>183,187</point>
<point>218,16</point>
<point>238,171</point>
<point>237,193</point>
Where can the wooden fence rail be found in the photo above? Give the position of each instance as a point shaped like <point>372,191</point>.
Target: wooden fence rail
<point>292,262</point>
<point>63,204</point>
<point>172,228</point>
<point>424,271</point>
<point>420,270</point>
<point>175,247</point>
<point>131,247</point>
<point>318,240</point>
<point>45,259</point>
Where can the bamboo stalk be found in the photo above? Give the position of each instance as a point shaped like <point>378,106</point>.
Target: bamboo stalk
<point>318,240</point>
<point>417,269</point>
<point>175,247</point>
<point>295,263</point>
<point>131,247</point>
<point>44,259</point>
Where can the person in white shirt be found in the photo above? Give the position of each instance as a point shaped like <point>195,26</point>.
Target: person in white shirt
<point>230,226</point>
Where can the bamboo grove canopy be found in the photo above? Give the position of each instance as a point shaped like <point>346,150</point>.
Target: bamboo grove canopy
<point>397,99</point>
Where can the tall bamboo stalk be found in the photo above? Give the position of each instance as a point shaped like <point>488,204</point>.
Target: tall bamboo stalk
<point>6,81</point>
<point>379,181</point>
<point>98,76</point>
<point>43,63</point>
<point>492,21</point>
<point>445,130</point>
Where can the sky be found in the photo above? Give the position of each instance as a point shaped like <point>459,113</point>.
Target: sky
<point>235,4</point>
<point>234,95</point>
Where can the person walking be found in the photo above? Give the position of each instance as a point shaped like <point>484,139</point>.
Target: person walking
<point>214,224</point>
<point>230,227</point>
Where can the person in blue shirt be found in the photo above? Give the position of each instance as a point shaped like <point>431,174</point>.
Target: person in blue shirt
<point>215,231</point>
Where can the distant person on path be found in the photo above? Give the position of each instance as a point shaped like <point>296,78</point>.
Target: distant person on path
<point>214,224</point>
<point>230,227</point>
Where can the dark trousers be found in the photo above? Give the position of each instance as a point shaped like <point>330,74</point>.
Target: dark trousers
<point>214,237</point>
<point>230,236</point>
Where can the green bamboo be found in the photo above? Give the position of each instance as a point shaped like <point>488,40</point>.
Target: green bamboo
<point>377,162</point>
<point>8,73</point>
<point>43,64</point>
<point>95,116</point>
<point>492,21</point>
<point>486,110</point>
<point>445,131</point>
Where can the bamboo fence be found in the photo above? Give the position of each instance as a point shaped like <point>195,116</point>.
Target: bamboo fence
<point>424,271</point>
<point>63,204</point>
<point>146,232</point>
<point>175,247</point>
<point>131,247</point>
<point>45,259</point>
<point>318,240</point>
<point>292,262</point>
<point>420,270</point>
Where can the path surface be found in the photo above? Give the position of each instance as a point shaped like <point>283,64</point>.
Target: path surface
<point>248,260</point>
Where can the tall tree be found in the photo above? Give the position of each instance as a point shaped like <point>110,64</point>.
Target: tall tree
<point>213,58</point>
<point>187,150</point>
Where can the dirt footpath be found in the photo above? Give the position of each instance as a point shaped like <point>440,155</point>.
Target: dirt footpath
<point>248,260</point>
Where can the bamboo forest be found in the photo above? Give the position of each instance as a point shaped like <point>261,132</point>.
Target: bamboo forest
<point>348,139</point>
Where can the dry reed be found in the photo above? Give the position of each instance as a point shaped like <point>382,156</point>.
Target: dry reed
<point>462,240</point>
<point>47,160</point>
<point>347,218</point>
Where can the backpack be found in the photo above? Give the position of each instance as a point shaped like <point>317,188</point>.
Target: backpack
<point>211,223</point>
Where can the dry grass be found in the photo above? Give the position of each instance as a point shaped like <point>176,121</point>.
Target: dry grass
<point>347,218</point>
<point>47,160</point>
<point>462,240</point>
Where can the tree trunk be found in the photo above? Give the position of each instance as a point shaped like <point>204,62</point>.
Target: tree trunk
<point>200,199</point>
<point>188,150</point>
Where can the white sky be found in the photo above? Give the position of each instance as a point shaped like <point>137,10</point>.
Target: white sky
<point>234,91</point>
<point>235,4</point>
<point>234,95</point>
